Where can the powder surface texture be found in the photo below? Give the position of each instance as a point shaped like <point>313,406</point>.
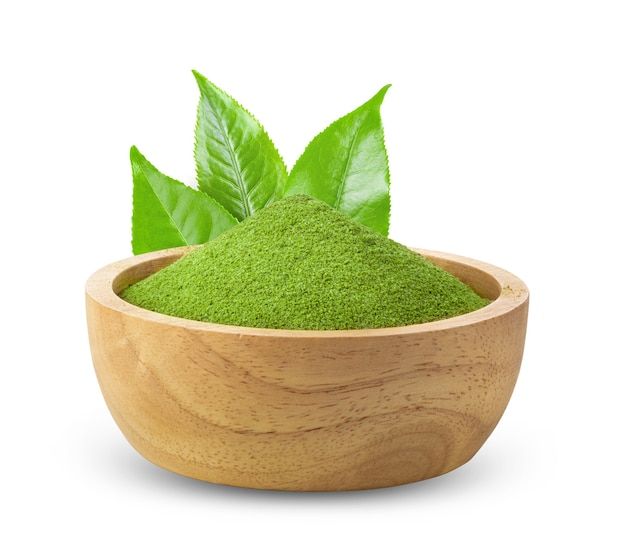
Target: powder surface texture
<point>300,264</point>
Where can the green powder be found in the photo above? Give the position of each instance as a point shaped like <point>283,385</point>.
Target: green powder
<point>300,264</point>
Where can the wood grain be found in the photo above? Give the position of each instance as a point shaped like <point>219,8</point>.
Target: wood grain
<point>306,410</point>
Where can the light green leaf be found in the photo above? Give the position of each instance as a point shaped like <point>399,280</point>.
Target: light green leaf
<point>346,166</point>
<point>167,213</point>
<point>236,162</point>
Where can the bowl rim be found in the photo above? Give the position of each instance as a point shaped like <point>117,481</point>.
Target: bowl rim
<point>100,288</point>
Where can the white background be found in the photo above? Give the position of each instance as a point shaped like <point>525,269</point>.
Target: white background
<point>506,130</point>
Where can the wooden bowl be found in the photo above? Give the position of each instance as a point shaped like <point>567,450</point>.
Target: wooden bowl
<point>306,410</point>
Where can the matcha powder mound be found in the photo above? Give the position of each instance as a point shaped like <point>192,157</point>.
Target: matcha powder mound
<point>300,264</point>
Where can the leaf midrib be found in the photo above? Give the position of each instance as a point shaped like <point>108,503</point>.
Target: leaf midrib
<point>233,159</point>
<point>174,224</point>
<point>342,183</point>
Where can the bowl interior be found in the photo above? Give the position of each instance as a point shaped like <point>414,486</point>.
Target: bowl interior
<point>482,282</point>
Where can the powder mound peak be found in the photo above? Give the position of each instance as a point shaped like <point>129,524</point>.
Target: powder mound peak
<point>300,264</point>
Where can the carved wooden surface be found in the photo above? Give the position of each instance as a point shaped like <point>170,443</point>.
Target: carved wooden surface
<point>306,410</point>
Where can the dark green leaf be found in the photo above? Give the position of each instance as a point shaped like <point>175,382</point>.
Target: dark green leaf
<point>346,166</point>
<point>167,213</point>
<point>237,163</point>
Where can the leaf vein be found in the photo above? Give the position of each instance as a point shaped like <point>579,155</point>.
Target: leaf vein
<point>342,183</point>
<point>158,198</point>
<point>233,159</point>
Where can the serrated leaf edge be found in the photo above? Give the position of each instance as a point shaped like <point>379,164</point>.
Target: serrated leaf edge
<point>199,75</point>
<point>381,93</point>
<point>383,89</point>
<point>134,150</point>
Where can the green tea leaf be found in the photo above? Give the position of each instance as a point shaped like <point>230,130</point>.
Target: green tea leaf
<point>346,166</point>
<point>236,162</point>
<point>167,213</point>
